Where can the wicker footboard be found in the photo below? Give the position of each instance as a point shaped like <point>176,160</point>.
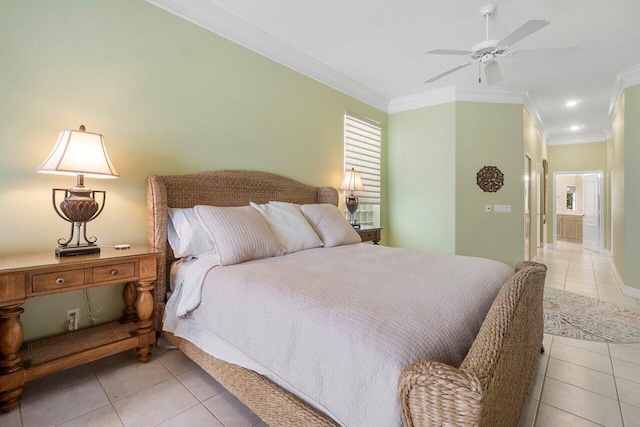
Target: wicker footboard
<point>491,385</point>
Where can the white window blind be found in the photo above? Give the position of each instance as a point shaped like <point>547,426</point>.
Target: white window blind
<point>362,151</point>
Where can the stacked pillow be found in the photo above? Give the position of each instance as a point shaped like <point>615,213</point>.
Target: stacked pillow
<point>239,234</point>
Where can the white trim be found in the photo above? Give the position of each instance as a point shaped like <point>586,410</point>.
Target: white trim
<point>608,253</point>
<point>631,292</point>
<point>623,79</point>
<point>531,106</point>
<point>578,139</point>
<point>424,99</point>
<point>217,20</point>
<point>453,94</point>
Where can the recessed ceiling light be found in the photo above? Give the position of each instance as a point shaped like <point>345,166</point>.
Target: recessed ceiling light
<point>572,103</point>
<point>575,128</point>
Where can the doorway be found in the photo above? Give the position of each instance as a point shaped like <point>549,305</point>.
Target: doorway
<point>577,207</point>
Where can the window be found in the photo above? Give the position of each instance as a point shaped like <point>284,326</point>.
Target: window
<point>362,151</point>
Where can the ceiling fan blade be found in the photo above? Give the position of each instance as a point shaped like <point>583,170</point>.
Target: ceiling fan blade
<point>492,73</point>
<point>545,52</point>
<point>439,76</point>
<point>523,31</point>
<point>448,52</point>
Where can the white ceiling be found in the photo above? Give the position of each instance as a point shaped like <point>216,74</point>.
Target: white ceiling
<point>374,50</point>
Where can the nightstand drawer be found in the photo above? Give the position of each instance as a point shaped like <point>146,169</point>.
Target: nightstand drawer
<point>62,279</point>
<point>124,271</point>
<point>368,235</point>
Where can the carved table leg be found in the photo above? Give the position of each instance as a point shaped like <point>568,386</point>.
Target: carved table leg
<point>144,307</point>
<point>129,294</point>
<point>11,367</point>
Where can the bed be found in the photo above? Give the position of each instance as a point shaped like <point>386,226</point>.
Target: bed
<point>486,386</point>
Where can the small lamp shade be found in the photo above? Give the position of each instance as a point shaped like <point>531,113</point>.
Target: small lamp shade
<point>78,152</point>
<point>352,181</point>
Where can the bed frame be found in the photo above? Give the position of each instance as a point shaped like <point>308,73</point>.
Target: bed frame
<point>490,386</point>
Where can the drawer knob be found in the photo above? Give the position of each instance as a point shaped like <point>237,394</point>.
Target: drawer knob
<point>114,272</point>
<point>59,281</point>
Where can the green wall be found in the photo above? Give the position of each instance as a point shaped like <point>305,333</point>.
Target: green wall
<point>168,96</point>
<point>489,135</point>
<point>422,180</point>
<point>535,148</point>
<point>632,188</point>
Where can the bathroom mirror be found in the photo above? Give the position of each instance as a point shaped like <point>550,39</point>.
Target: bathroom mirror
<point>571,197</point>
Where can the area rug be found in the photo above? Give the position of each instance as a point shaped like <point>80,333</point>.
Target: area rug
<point>578,316</point>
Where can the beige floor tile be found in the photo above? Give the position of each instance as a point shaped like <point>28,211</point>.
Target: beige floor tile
<point>12,419</point>
<point>536,387</point>
<point>201,384</point>
<point>102,417</point>
<point>228,409</point>
<point>196,416</point>
<point>583,403</point>
<point>131,378</point>
<point>176,362</point>
<point>115,361</point>
<point>594,346</point>
<point>585,378</point>
<point>631,415</point>
<point>57,381</point>
<point>528,413</point>
<point>155,404</point>
<point>542,362</point>
<point>637,346</point>
<point>548,416</point>
<point>581,357</point>
<point>628,392</point>
<point>623,352</point>
<point>626,370</point>
<point>556,285</point>
<point>63,404</point>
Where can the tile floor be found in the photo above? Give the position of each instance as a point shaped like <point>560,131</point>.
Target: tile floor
<point>584,383</point>
<point>577,383</point>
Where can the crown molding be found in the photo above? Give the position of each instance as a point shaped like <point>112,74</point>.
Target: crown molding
<point>623,79</point>
<point>578,139</point>
<point>455,93</point>
<point>531,106</point>
<point>424,99</point>
<point>214,19</point>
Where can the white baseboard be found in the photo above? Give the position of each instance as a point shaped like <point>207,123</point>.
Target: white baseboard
<point>608,253</point>
<point>631,292</point>
<point>626,290</point>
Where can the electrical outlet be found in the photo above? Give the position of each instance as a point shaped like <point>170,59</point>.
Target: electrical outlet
<point>73,319</point>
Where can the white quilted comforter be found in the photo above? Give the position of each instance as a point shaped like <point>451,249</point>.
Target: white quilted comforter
<point>336,326</point>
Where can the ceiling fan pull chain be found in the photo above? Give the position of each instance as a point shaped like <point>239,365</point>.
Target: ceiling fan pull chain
<point>479,74</point>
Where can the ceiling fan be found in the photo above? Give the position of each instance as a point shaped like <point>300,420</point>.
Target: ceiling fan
<point>487,52</point>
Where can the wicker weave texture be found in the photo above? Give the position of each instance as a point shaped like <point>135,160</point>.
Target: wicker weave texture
<point>491,385</point>
<point>274,405</point>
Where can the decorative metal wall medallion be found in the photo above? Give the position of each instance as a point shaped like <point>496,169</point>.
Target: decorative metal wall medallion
<point>490,179</point>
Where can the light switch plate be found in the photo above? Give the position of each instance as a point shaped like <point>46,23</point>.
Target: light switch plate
<point>487,208</point>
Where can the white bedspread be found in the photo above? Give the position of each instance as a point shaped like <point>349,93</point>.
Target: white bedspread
<point>337,325</point>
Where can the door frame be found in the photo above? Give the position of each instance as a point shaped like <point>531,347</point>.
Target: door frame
<point>600,175</point>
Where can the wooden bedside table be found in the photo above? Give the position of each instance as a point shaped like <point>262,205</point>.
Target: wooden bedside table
<point>32,275</point>
<point>370,234</point>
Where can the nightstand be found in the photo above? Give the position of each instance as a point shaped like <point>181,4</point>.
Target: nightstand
<point>370,234</point>
<point>32,275</point>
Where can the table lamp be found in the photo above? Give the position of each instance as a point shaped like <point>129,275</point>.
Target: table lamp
<point>79,153</point>
<point>352,182</point>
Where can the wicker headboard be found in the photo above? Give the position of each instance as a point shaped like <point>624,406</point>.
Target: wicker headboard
<point>216,188</point>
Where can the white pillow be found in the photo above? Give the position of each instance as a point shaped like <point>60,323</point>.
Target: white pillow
<point>239,233</point>
<point>331,226</point>
<point>288,226</point>
<point>186,235</point>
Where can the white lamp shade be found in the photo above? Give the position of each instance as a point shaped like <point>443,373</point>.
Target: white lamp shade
<point>352,181</point>
<point>78,152</point>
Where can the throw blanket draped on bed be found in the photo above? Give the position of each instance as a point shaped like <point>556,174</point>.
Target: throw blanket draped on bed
<point>337,325</point>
